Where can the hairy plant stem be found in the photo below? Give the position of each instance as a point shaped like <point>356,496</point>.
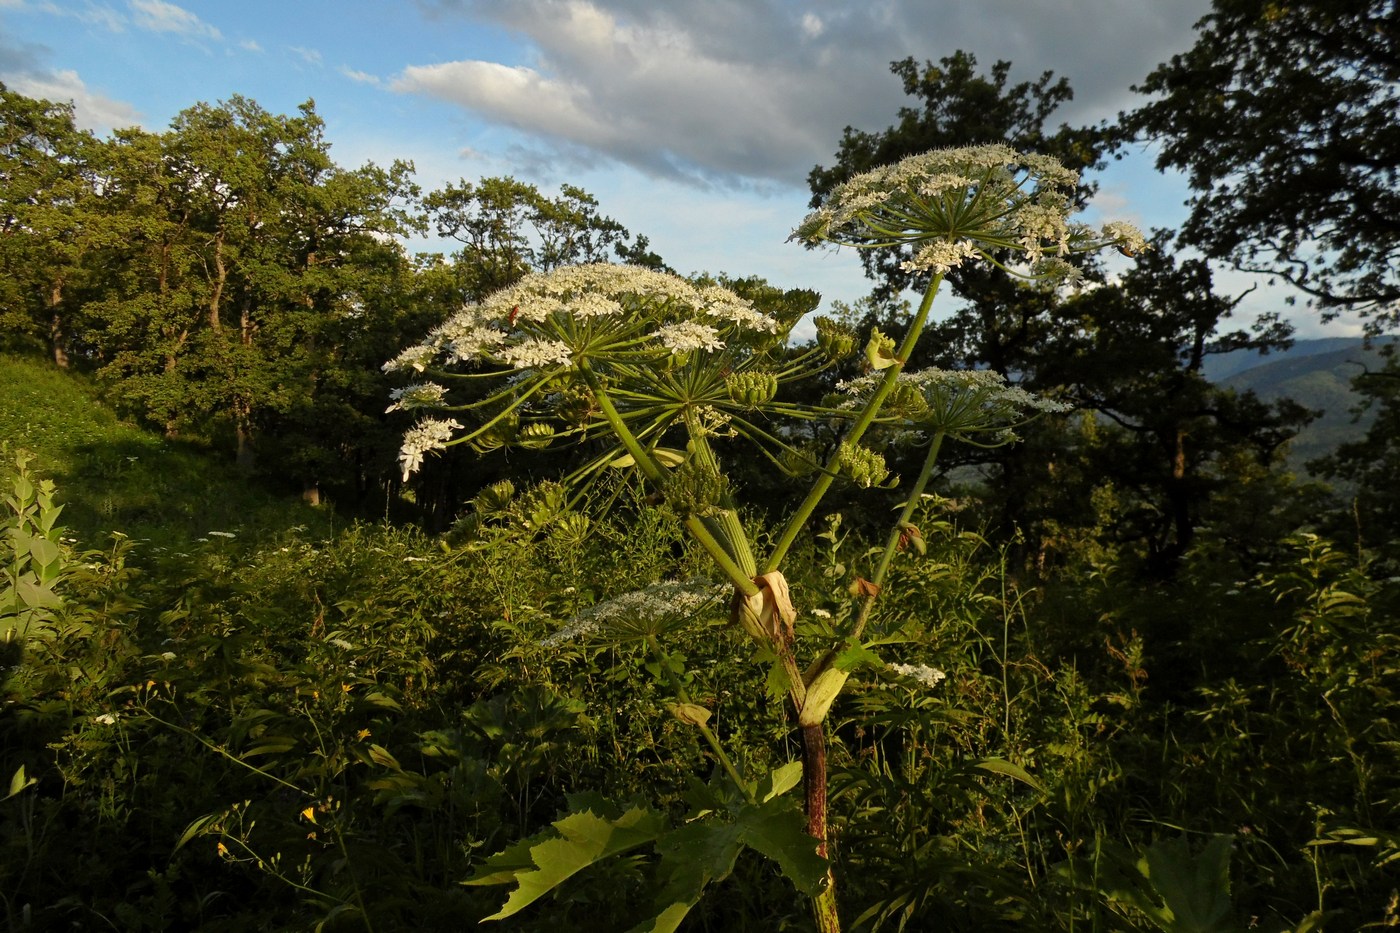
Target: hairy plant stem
<point>814,793</point>
<point>862,423</point>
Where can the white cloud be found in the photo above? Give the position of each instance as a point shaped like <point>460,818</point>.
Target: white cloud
<point>91,110</point>
<point>159,16</point>
<point>362,77</point>
<point>645,94</point>
<point>310,56</point>
<point>250,45</point>
<point>742,92</point>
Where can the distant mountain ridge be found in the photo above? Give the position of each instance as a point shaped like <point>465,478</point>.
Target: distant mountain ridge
<point>1316,374</point>
<point>1220,367</point>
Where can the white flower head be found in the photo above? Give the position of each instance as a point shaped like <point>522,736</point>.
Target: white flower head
<point>655,610</point>
<point>422,395</point>
<point>416,358</point>
<point>427,435</point>
<point>1125,236</point>
<point>928,676</point>
<point>686,336</point>
<point>940,256</point>
<point>535,353</point>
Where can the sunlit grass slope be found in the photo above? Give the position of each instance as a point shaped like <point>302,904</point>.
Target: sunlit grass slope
<point>113,476</point>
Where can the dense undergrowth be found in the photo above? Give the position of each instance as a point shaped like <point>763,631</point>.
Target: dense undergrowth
<point>293,730</point>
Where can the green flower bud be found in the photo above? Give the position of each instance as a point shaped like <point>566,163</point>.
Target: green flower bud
<point>546,502</point>
<point>905,401</point>
<point>695,490</point>
<point>751,389</point>
<point>501,435</point>
<point>576,406</point>
<point>495,498</point>
<point>536,436</point>
<point>835,339</point>
<point>863,465</point>
<point>797,462</point>
<point>690,713</point>
<point>570,528</point>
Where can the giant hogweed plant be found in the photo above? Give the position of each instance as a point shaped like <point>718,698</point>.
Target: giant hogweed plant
<point>650,370</point>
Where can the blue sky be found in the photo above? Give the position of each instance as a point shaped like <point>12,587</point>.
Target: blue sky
<point>693,122</point>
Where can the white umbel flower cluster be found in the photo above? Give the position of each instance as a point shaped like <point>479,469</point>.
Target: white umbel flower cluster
<point>427,435</point>
<point>422,395</point>
<point>928,676</point>
<point>951,205</point>
<point>654,610</point>
<point>685,336</point>
<point>548,318</point>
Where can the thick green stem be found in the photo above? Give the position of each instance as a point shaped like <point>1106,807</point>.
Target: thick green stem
<point>862,423</point>
<point>726,526</point>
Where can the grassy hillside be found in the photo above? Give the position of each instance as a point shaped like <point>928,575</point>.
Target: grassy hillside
<point>113,476</point>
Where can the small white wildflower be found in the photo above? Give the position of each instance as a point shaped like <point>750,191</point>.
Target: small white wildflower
<point>821,613</point>
<point>940,256</point>
<point>535,352</point>
<point>685,336</point>
<point>928,676</point>
<point>723,305</point>
<point>1127,237</point>
<point>422,395</point>
<point>416,358</point>
<point>426,435</point>
<point>650,611</point>
<point>106,719</point>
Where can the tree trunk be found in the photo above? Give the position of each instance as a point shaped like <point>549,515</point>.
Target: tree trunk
<point>56,335</point>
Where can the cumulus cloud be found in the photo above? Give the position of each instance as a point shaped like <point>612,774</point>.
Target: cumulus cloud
<point>159,16</point>
<point>746,91</point>
<point>91,110</point>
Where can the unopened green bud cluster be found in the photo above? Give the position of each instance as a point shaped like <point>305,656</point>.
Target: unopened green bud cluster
<point>864,466</point>
<point>694,489</point>
<point>751,389</point>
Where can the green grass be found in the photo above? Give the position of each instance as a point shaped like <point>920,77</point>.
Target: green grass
<point>115,476</point>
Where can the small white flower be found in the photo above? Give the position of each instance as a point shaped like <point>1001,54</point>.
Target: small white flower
<point>1128,238</point>
<point>416,358</point>
<point>106,719</point>
<point>685,336</point>
<point>536,352</point>
<point>422,395</point>
<point>426,435</point>
<point>657,608</point>
<point>940,256</point>
<point>928,676</point>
